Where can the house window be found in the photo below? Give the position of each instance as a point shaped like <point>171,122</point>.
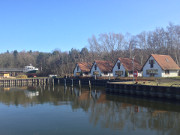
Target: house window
<point>105,73</point>
<point>118,64</point>
<point>86,73</point>
<point>151,62</point>
<point>130,72</point>
<point>95,67</point>
<point>166,71</point>
<point>118,73</point>
<point>77,68</point>
<point>152,72</point>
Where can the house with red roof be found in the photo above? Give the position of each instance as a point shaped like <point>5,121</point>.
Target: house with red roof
<point>102,68</point>
<point>160,66</point>
<point>82,69</point>
<point>124,67</point>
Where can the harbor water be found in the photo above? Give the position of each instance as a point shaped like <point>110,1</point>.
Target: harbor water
<point>66,110</point>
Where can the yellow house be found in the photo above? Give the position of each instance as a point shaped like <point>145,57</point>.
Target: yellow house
<point>4,75</point>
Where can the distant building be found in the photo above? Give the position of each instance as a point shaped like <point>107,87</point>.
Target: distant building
<point>82,69</point>
<point>160,66</point>
<point>124,67</point>
<point>4,75</point>
<point>102,68</point>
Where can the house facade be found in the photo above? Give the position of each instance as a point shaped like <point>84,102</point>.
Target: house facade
<point>102,68</point>
<point>160,66</point>
<point>82,69</point>
<point>124,67</point>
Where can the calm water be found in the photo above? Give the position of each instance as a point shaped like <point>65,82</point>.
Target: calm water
<point>55,110</point>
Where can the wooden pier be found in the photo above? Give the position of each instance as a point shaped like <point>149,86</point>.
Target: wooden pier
<point>25,82</point>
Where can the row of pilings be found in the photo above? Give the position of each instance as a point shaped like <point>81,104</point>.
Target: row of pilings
<point>26,82</point>
<point>79,82</point>
<point>162,92</point>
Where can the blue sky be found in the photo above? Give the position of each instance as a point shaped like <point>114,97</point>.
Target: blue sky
<point>45,25</point>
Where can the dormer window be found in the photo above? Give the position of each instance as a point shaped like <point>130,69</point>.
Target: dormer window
<point>95,67</point>
<point>118,65</point>
<point>167,60</point>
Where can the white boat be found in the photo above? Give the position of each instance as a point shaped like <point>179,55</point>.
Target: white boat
<point>30,69</point>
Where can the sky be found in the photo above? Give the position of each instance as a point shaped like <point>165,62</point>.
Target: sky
<point>47,25</point>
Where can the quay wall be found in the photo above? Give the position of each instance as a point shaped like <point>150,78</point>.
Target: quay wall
<point>144,90</point>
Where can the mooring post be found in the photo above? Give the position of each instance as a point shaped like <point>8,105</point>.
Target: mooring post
<point>79,83</point>
<point>79,92</point>
<point>89,84</point>
<point>72,83</point>
<point>53,81</point>
<point>65,82</point>
<point>58,81</point>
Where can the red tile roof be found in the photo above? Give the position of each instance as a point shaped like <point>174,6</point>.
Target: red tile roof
<point>104,66</point>
<point>84,66</point>
<point>165,62</point>
<point>128,64</point>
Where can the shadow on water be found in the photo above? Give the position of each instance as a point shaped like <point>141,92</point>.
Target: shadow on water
<point>109,111</point>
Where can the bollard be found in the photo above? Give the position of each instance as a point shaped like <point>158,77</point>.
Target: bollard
<point>64,82</point>
<point>79,83</point>
<point>72,83</point>
<point>89,84</point>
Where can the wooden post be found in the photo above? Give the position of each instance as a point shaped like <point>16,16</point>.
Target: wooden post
<point>72,83</point>
<point>89,83</point>
<point>79,83</point>
<point>53,81</point>
<point>65,82</point>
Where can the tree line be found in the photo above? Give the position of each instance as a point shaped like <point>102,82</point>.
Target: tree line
<point>106,46</point>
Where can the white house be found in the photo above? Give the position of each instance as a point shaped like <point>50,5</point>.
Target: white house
<point>82,69</point>
<point>102,68</point>
<point>125,67</point>
<point>160,66</point>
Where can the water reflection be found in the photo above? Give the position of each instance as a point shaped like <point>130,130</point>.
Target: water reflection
<point>109,111</point>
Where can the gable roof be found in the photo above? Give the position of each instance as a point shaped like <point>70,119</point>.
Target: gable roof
<point>128,64</point>
<point>165,62</point>
<point>84,66</point>
<point>104,66</point>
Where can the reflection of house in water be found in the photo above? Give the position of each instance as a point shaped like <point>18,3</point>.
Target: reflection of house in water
<point>97,96</point>
<point>31,94</point>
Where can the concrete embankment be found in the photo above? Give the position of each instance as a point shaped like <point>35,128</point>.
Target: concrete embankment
<point>144,90</point>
